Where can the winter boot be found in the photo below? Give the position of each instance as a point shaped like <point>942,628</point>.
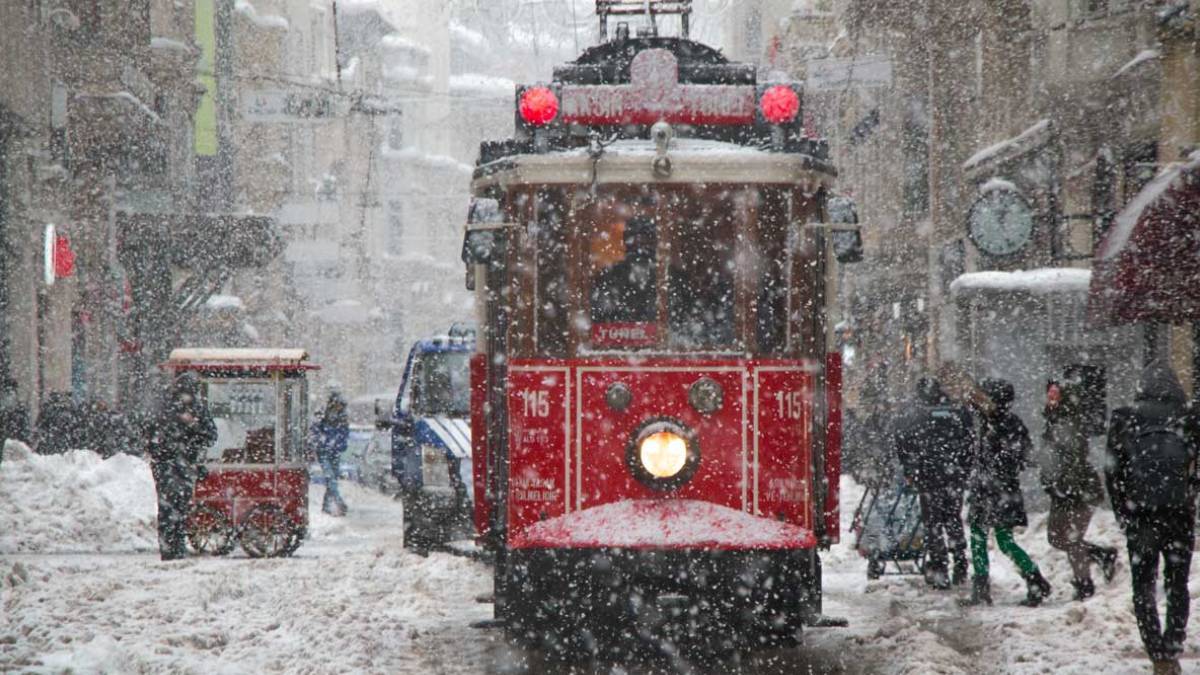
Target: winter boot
<point>937,580</point>
<point>981,593</point>
<point>1037,589</point>
<point>1167,667</point>
<point>959,575</point>
<point>1106,558</point>
<point>1084,589</point>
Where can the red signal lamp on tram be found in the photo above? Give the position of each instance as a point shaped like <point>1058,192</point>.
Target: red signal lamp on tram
<point>779,104</point>
<point>538,106</point>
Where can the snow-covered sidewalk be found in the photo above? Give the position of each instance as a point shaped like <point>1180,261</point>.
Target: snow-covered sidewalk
<point>82,589</point>
<point>351,600</point>
<point>897,625</point>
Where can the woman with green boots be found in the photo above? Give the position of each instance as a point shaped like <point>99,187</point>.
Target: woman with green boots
<point>995,502</point>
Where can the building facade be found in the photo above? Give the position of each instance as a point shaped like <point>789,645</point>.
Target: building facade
<point>989,146</point>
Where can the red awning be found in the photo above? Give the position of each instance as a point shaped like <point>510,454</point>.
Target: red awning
<point>1148,266</point>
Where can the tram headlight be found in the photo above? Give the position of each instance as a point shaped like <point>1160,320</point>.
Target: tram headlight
<point>663,454</point>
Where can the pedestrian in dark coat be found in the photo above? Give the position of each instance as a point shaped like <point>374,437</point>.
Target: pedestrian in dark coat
<point>14,418</point>
<point>934,443</point>
<point>1152,482</point>
<point>179,437</point>
<point>1074,488</point>
<point>331,435</point>
<point>58,428</point>
<point>996,502</point>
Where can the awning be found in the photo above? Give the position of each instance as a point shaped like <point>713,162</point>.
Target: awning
<point>1034,282</point>
<point>200,241</point>
<point>1147,269</point>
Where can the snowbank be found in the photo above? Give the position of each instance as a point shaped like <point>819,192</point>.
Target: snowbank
<point>351,600</point>
<point>897,625</point>
<point>75,502</point>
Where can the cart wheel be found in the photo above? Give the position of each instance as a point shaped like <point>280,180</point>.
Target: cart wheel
<point>875,568</point>
<point>210,531</point>
<point>298,533</point>
<point>267,533</point>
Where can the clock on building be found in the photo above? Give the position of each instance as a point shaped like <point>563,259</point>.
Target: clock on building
<point>1000,223</point>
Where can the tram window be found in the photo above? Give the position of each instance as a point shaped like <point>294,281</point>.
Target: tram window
<point>772,298</point>
<point>294,415</point>
<point>700,287</point>
<point>551,276</point>
<point>244,414</point>
<point>625,291</point>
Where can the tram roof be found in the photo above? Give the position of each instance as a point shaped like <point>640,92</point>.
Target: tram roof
<point>631,161</point>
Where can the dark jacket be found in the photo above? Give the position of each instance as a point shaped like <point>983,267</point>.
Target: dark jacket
<point>1160,400</point>
<point>58,426</point>
<point>331,433</point>
<point>934,441</point>
<point>1001,455</point>
<point>1068,477</point>
<point>180,436</point>
<point>14,422</point>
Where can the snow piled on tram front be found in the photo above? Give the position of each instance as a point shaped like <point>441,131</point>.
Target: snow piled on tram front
<point>669,523</point>
<point>75,502</point>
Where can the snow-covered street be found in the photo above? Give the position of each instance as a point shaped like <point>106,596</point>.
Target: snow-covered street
<point>353,600</point>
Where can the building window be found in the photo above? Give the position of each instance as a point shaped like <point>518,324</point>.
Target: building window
<point>1138,168</point>
<point>395,134</point>
<point>914,147</point>
<point>395,232</point>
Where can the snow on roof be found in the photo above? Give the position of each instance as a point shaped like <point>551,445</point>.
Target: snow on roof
<point>402,74</point>
<point>1142,57</point>
<point>224,302</point>
<point>440,161</point>
<point>671,523</point>
<point>1127,219</point>
<point>360,6</point>
<point>474,83</point>
<point>168,43</point>
<point>236,357</point>
<point>395,41</point>
<point>469,38</point>
<point>246,9</point>
<point>1025,140</point>
<point>1039,281</point>
<point>124,96</point>
<point>817,8</point>
<point>998,185</point>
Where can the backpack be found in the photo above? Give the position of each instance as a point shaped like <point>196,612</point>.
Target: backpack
<point>1160,467</point>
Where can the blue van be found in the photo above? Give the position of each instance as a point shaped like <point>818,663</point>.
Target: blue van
<point>431,439</point>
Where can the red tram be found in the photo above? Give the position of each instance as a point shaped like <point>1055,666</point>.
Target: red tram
<point>654,405</point>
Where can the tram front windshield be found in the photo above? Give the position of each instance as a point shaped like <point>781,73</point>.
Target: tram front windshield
<point>660,268</point>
